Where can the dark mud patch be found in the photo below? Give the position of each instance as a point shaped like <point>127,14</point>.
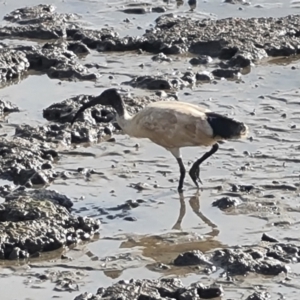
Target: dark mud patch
<point>59,60</point>
<point>25,163</point>
<point>30,226</point>
<point>9,193</point>
<point>155,289</point>
<point>237,42</point>
<point>13,64</point>
<point>42,13</point>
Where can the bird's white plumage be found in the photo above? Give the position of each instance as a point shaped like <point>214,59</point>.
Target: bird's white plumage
<point>170,124</point>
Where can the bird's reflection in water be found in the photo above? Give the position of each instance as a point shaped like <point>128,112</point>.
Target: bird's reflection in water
<point>195,205</point>
<point>164,248</point>
<point>113,274</point>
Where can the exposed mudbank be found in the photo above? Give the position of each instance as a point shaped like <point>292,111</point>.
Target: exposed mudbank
<point>155,289</point>
<point>237,42</point>
<point>163,68</point>
<point>29,227</point>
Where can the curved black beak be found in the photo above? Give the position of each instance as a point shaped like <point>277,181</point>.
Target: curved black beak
<point>89,104</point>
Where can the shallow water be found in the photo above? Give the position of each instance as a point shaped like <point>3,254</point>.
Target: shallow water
<point>164,216</point>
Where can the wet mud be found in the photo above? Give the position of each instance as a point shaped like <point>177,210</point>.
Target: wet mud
<point>87,212</point>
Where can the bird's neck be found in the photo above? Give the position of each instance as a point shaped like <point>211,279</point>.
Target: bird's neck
<point>123,117</point>
<point>124,121</point>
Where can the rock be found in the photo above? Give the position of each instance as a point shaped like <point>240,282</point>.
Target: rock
<point>189,77</point>
<point>154,289</point>
<point>245,41</point>
<point>53,134</point>
<point>200,60</point>
<point>7,107</point>
<point>159,9</point>
<point>267,238</point>
<point>93,39</point>
<point>242,188</point>
<point>190,258</point>
<point>240,262</point>
<point>84,135</point>
<point>13,64</point>
<point>71,71</point>
<point>59,62</point>
<point>204,76</point>
<point>42,13</point>
<point>226,73</point>
<point>155,83</point>
<point>78,48</point>
<point>50,195</point>
<point>259,296</point>
<point>21,160</point>
<point>269,259</point>
<point>39,178</point>
<point>87,296</point>
<point>226,202</point>
<point>135,10</point>
<point>161,57</point>
<point>14,253</point>
<point>240,61</point>
<point>36,31</point>
<point>210,292</point>
<point>29,226</point>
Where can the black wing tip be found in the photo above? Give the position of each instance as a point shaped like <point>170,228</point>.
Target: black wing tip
<point>225,127</point>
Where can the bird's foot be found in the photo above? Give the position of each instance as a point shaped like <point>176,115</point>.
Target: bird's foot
<point>195,175</point>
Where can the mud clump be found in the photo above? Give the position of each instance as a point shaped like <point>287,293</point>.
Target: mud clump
<point>155,83</point>
<point>154,289</point>
<point>227,38</point>
<point>54,134</point>
<point>226,203</point>
<point>200,60</point>
<point>195,257</point>
<point>41,13</point>
<point>10,193</point>
<point>259,296</point>
<point>237,41</point>
<point>266,259</point>
<point>29,227</point>
<point>13,64</point>
<point>58,60</point>
<point>6,107</point>
<point>26,163</point>
<point>43,23</point>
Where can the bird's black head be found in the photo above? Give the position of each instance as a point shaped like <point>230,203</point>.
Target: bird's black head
<point>108,97</point>
<point>226,128</point>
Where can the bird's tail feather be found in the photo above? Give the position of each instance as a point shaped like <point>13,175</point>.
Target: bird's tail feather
<point>225,127</point>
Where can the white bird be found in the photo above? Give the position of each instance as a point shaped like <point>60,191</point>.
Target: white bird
<point>173,125</point>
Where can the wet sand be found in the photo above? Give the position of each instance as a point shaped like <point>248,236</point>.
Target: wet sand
<point>269,90</point>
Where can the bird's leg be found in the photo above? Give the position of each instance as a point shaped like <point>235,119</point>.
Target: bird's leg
<point>177,155</point>
<point>182,174</point>
<point>195,169</point>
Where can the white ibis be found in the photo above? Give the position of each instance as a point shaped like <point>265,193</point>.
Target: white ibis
<point>173,125</point>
